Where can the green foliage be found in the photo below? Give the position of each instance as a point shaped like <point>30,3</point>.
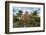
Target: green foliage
<point>19,13</point>
<point>15,19</point>
<point>33,22</point>
<point>35,13</point>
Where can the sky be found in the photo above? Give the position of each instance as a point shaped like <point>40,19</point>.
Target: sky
<point>28,9</point>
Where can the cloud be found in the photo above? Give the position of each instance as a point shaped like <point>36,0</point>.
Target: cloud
<point>28,9</point>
